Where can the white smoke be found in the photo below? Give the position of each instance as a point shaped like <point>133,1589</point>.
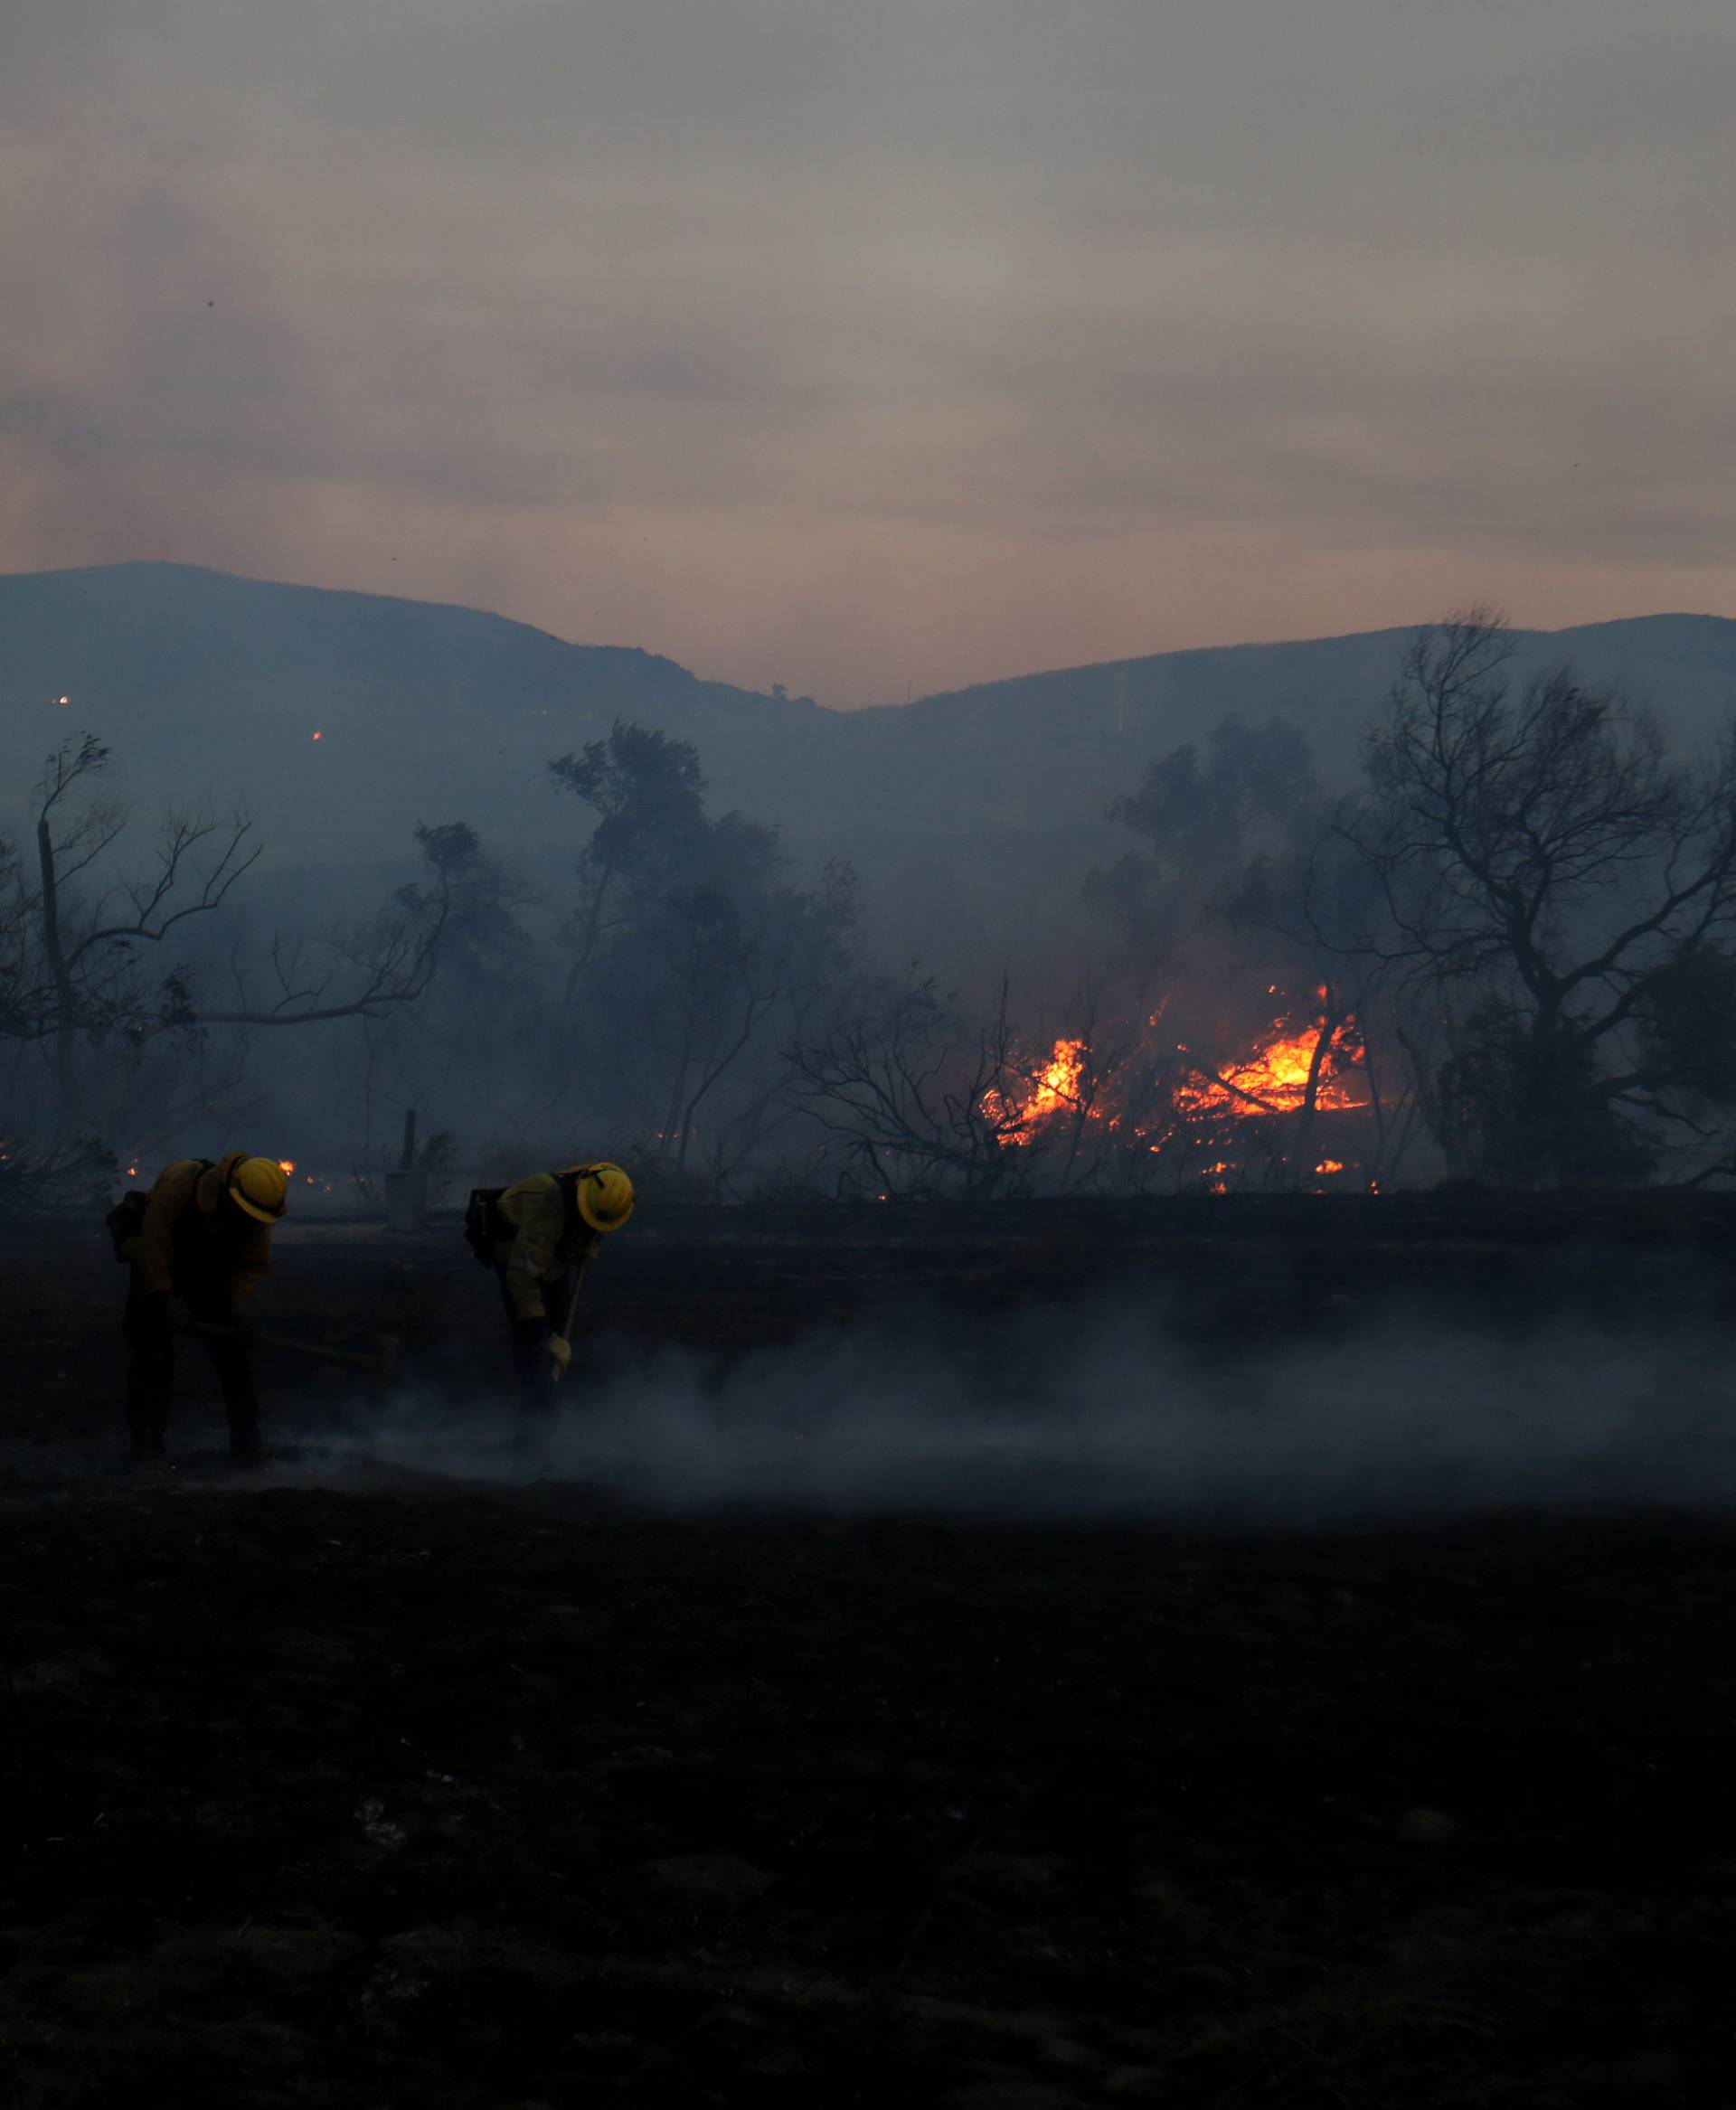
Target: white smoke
<point>1103,1412</point>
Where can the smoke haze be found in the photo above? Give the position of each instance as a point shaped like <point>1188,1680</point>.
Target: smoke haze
<point>872,350</point>
<point>1103,1413</point>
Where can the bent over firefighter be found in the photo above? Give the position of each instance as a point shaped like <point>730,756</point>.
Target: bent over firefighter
<point>540,1234</point>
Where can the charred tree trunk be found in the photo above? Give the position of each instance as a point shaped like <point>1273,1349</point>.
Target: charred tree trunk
<point>1304,1147</point>
<point>66,1002</point>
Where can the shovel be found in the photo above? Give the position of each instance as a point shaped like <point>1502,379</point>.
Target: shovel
<point>556,1372</point>
<point>379,1366</point>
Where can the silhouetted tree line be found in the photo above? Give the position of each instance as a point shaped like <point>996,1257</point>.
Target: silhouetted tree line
<point>1516,932</point>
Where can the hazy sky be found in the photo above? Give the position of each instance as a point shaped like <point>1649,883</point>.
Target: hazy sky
<point>876,344</point>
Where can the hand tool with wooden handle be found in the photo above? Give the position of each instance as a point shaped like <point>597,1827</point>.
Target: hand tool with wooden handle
<point>379,1367</point>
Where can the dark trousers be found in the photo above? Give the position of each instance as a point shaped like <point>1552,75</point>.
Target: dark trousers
<point>537,1381</point>
<point>150,1368</point>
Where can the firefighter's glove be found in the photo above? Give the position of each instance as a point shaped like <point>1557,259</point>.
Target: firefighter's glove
<point>180,1314</point>
<point>560,1349</point>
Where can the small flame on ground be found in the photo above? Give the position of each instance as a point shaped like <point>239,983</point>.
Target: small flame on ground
<point>1328,1166</point>
<point>286,1164</point>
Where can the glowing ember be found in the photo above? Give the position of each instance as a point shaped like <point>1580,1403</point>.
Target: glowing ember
<point>319,736</point>
<point>61,701</point>
<point>286,1164</point>
<point>1326,1167</point>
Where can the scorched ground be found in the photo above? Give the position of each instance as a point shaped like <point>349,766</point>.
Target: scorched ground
<point>325,1788</point>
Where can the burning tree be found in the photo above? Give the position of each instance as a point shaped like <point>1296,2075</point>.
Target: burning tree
<point>1319,912</point>
<point>1083,1111</point>
<point>1201,1069</point>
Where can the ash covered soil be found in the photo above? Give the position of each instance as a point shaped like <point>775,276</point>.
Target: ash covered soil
<point>366,1781</point>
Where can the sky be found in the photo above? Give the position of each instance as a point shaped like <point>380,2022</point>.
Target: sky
<point>874,347</point>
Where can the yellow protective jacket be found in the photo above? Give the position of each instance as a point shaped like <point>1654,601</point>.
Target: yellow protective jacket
<point>550,1238</point>
<point>187,1232</point>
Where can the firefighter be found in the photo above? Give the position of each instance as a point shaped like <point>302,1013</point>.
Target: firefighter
<point>202,1244</point>
<point>552,1224</point>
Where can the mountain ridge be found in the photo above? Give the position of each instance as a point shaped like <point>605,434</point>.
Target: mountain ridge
<point>209,685</point>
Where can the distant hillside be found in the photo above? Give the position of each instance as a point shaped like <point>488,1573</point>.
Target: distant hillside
<point>1069,738</point>
<point>209,686</point>
<point>206,684</point>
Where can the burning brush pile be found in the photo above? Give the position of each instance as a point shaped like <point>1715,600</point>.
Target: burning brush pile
<point>1294,1105</point>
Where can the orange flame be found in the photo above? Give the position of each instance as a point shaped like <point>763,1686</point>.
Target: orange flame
<point>286,1164</point>
<point>1057,1083</point>
<point>1055,1088</point>
<point>1274,1079</point>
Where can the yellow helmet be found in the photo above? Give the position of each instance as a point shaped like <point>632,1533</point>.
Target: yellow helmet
<point>259,1185</point>
<point>604,1194</point>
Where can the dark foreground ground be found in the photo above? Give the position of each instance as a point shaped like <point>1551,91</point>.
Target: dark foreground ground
<point>354,1787</point>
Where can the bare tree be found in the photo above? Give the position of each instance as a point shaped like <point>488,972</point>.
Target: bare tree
<point>345,971</point>
<point>67,1177</point>
<point>720,981</point>
<point>1544,869</point>
<point>799,950</point>
<point>75,936</point>
<point>927,1106</point>
<point>74,966</point>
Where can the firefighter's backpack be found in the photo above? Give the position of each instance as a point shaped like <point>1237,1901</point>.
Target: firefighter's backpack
<point>125,1220</point>
<point>484,1226</point>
